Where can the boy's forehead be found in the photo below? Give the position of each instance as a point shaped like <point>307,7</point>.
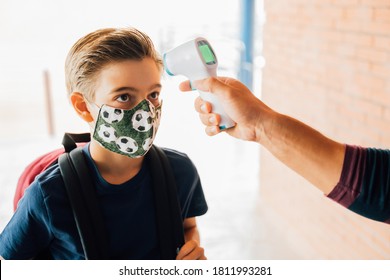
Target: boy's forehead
<point>130,73</point>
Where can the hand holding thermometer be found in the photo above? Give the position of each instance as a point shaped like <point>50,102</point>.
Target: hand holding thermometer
<point>196,60</point>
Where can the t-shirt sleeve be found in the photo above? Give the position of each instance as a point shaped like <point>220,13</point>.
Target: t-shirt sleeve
<point>364,185</point>
<point>27,233</point>
<point>197,202</point>
<point>188,183</point>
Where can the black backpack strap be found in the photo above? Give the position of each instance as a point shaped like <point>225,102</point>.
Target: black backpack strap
<point>88,216</point>
<point>168,210</point>
<point>84,203</point>
<point>70,139</point>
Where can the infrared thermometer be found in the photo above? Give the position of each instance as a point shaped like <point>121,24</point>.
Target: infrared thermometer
<point>196,60</point>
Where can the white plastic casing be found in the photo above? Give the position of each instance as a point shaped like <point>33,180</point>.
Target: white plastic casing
<point>187,60</point>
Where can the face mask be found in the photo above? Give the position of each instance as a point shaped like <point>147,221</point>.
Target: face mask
<point>128,132</point>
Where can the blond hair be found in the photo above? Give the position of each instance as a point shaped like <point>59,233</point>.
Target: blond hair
<point>90,54</point>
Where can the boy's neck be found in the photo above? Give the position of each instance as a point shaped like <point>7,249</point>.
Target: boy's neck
<point>114,168</point>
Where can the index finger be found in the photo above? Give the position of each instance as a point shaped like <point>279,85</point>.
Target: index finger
<point>185,86</point>
<point>216,85</point>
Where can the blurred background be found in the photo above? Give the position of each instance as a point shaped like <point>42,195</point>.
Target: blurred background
<point>324,62</point>
<point>35,111</point>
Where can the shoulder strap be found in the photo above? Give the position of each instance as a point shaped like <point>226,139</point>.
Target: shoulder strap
<point>70,140</point>
<point>88,216</point>
<point>83,200</point>
<point>168,210</point>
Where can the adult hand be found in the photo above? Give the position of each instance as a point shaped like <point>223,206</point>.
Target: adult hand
<point>239,103</point>
<point>305,150</point>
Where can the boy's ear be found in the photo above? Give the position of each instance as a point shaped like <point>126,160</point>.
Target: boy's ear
<point>80,106</point>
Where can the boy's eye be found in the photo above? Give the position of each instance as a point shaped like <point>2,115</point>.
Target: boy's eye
<point>123,98</point>
<point>154,95</point>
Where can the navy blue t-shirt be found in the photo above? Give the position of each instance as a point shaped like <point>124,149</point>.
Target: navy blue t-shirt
<point>44,217</point>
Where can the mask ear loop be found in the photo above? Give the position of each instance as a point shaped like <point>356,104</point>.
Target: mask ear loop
<point>93,105</point>
<point>93,123</point>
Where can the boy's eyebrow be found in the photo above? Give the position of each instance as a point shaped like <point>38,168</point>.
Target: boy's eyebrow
<point>133,89</point>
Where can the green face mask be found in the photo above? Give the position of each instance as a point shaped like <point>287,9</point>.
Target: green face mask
<point>128,132</point>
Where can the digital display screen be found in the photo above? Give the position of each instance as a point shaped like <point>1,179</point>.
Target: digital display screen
<point>207,53</point>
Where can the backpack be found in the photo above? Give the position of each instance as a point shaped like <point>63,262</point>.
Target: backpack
<point>84,203</point>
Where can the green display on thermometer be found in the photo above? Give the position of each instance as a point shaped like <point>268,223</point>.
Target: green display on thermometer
<point>207,54</point>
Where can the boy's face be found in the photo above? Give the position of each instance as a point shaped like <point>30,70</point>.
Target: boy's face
<point>125,84</point>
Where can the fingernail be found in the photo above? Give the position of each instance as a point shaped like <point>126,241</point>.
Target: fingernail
<point>203,108</point>
<point>212,120</point>
<point>212,130</point>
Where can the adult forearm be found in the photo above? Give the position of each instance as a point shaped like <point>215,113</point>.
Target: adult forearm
<point>303,149</point>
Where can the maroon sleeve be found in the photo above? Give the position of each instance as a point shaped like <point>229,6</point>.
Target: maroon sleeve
<point>350,184</point>
<point>364,185</point>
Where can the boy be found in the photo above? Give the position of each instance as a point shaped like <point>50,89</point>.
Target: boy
<point>111,75</point>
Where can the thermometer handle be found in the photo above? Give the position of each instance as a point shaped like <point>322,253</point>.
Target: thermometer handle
<point>226,121</point>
